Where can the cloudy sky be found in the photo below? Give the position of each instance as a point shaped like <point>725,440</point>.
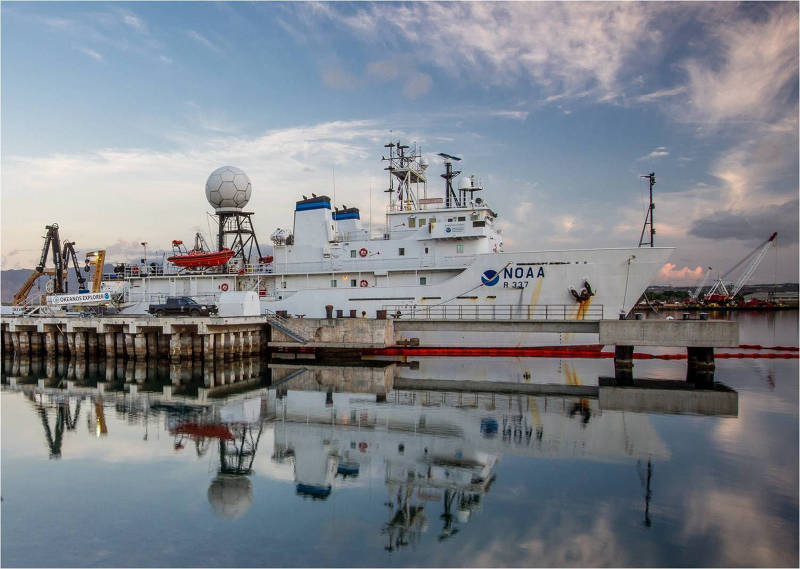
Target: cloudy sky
<point>114,114</point>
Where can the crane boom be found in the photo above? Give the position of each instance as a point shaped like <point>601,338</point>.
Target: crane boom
<point>751,268</point>
<point>696,292</point>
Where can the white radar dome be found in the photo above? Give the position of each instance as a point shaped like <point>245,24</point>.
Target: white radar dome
<point>230,496</point>
<point>228,188</point>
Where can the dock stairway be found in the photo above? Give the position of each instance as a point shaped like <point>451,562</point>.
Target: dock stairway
<point>283,325</point>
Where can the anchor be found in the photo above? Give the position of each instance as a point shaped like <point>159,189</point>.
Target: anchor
<point>585,294</point>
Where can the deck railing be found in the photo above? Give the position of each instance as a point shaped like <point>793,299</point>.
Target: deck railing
<point>494,312</point>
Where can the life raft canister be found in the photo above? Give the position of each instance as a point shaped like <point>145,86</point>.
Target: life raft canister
<point>363,252</point>
<point>364,283</point>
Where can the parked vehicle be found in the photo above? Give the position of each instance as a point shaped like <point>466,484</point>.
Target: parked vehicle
<point>182,305</point>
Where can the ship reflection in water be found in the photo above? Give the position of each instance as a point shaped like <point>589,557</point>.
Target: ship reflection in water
<point>333,426</point>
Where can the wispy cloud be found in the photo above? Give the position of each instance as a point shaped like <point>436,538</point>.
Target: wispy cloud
<point>754,75</point>
<point>134,21</point>
<point>515,115</point>
<point>659,152</point>
<point>661,94</point>
<point>200,38</point>
<point>565,48</point>
<point>91,53</point>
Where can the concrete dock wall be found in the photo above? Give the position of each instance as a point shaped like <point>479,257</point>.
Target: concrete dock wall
<point>337,333</point>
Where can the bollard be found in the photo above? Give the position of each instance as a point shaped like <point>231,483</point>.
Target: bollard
<point>380,314</point>
<point>328,311</point>
<point>339,313</point>
<point>353,313</point>
<point>639,316</point>
<point>687,316</point>
<point>704,316</point>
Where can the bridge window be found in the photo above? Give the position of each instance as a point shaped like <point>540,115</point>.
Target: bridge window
<point>423,280</point>
<point>421,221</point>
<point>462,218</point>
<point>402,251</point>
<point>412,222</point>
<point>352,253</point>
<point>352,282</point>
<point>333,283</point>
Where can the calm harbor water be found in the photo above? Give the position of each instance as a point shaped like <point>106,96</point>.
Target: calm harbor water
<point>320,470</point>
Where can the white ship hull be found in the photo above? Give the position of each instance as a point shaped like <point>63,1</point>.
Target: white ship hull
<point>529,285</point>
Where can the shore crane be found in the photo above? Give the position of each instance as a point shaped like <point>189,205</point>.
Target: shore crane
<point>721,292</point>
<point>696,294</point>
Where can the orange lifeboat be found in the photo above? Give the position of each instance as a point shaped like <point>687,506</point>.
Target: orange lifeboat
<point>198,258</point>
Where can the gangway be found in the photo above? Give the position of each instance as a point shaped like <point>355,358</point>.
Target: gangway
<point>282,324</point>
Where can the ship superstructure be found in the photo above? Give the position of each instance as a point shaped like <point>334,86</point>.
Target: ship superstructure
<point>433,253</point>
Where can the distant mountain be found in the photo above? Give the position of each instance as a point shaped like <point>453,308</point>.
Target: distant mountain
<point>11,280</point>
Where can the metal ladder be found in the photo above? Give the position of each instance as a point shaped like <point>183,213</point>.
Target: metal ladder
<point>281,324</point>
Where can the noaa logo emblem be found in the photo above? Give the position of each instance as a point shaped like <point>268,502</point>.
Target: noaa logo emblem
<point>490,278</point>
<point>447,230</point>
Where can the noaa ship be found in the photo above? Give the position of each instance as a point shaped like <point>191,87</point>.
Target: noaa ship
<point>437,257</point>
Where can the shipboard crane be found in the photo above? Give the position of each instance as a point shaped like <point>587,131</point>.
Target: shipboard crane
<point>721,292</point>
<point>52,242</point>
<point>97,258</point>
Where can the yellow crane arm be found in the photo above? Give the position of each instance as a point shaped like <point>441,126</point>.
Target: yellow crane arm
<point>98,259</point>
<point>25,289</point>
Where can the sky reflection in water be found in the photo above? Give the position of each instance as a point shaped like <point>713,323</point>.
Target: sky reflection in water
<point>266,479</point>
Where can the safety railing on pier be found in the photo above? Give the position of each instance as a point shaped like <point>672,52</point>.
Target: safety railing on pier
<point>494,312</point>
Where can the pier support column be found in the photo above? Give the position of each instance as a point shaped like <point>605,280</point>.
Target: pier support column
<point>130,345</point>
<point>15,342</point>
<point>36,344</point>
<point>163,345</point>
<point>208,347</point>
<point>140,346</point>
<point>101,343</point>
<point>111,344</point>
<point>700,365</point>
<point>24,343</point>
<point>623,364</point>
<point>80,343</point>
<point>175,346</point>
<point>197,346</point>
<point>71,343</point>
<point>120,343</point>
<point>91,343</point>
<point>186,346</point>
<point>8,347</point>
<point>152,345</point>
<point>219,345</point>
<point>62,346</point>
<point>50,342</point>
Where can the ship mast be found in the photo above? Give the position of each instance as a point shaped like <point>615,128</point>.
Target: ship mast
<point>450,194</point>
<point>407,168</point>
